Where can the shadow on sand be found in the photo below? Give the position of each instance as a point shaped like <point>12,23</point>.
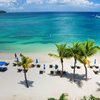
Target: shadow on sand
<point>30,83</point>
<point>78,78</point>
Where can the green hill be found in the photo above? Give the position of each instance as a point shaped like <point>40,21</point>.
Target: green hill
<point>2,11</point>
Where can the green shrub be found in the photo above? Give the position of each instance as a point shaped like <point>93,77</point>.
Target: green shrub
<point>93,98</point>
<point>84,98</point>
<point>90,98</point>
<point>62,97</point>
<point>51,99</point>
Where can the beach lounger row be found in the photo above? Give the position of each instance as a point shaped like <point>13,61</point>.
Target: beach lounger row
<point>78,67</point>
<point>50,66</point>
<point>94,66</point>
<point>20,70</point>
<point>58,72</point>
<point>53,66</point>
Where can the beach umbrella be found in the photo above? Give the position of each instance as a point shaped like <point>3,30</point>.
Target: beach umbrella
<point>3,63</point>
<point>36,61</point>
<point>44,66</point>
<point>75,62</point>
<point>94,61</point>
<point>17,59</point>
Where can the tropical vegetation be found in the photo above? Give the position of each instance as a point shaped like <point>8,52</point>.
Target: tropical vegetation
<point>65,97</point>
<point>91,97</point>
<point>62,97</point>
<point>26,64</point>
<point>74,52</point>
<point>87,49</point>
<point>61,50</point>
<point>80,51</point>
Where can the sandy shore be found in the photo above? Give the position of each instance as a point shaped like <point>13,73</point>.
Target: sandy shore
<point>43,86</point>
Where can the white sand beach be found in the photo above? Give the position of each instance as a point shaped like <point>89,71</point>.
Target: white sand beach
<point>44,86</point>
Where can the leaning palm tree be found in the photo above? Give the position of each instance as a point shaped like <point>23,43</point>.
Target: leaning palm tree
<point>26,64</point>
<point>87,49</point>
<point>74,51</point>
<point>61,49</point>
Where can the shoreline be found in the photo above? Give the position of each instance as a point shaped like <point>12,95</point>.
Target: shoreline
<point>43,57</point>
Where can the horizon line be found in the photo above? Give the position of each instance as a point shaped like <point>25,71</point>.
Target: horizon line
<point>53,11</point>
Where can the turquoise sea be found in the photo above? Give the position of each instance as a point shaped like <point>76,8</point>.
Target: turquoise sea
<point>39,31</point>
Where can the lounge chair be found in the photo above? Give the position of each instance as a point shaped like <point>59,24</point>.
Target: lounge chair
<point>6,64</point>
<point>64,72</point>
<point>58,72</point>
<point>56,66</point>
<point>40,72</point>
<point>91,66</point>
<point>50,66</point>
<point>96,66</point>
<point>19,70</point>
<point>72,67</point>
<point>25,70</point>
<point>38,65</point>
<point>3,69</point>
<point>95,72</point>
<point>51,72</point>
<point>78,67</point>
<point>14,64</point>
<point>32,65</point>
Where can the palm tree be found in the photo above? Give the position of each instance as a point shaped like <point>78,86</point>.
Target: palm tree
<point>87,49</point>
<point>26,64</point>
<point>74,52</point>
<point>61,49</point>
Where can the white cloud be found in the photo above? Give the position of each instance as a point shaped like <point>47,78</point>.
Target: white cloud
<point>87,3</point>
<point>15,8</point>
<point>15,4</point>
<point>51,1</point>
<point>82,3</point>
<point>7,2</point>
<point>60,2</point>
<point>34,1</point>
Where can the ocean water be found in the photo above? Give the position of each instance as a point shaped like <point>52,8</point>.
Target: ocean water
<point>39,32</point>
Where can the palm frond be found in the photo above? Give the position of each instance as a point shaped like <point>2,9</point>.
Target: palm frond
<point>25,62</point>
<point>61,49</point>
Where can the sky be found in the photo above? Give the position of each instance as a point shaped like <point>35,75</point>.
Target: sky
<point>49,5</point>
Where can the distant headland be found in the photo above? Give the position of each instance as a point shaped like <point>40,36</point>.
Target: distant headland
<point>2,11</point>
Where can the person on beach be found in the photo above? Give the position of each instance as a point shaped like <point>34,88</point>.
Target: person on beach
<point>44,67</point>
<point>21,54</point>
<point>16,57</point>
<point>94,61</point>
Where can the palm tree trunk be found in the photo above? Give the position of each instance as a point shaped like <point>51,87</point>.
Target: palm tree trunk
<point>62,66</point>
<point>26,78</point>
<point>85,70</point>
<point>74,69</point>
